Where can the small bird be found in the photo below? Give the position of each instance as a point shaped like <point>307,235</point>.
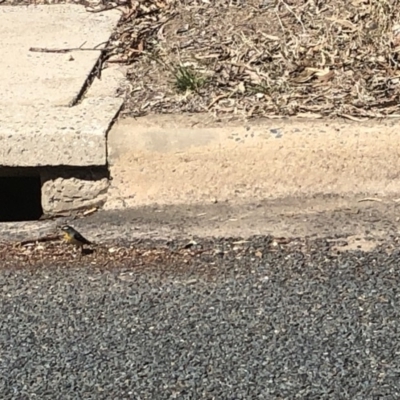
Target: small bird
<point>72,236</point>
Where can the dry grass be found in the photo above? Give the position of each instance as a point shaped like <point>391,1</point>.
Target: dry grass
<point>263,57</point>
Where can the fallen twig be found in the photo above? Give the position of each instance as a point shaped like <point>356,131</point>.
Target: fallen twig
<point>90,211</point>
<point>46,50</point>
<point>222,96</point>
<point>370,199</point>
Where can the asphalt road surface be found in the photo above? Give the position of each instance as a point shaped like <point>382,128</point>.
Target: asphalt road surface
<point>243,320</point>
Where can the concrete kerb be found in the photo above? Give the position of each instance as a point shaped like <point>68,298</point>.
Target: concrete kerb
<point>40,131</point>
<point>169,160</point>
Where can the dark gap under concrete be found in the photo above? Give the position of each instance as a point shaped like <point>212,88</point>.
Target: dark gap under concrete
<point>20,198</point>
<point>21,189</point>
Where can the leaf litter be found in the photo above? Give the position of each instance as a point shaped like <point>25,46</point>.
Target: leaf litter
<point>262,58</point>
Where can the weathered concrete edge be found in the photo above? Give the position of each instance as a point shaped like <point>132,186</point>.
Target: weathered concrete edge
<point>71,136</point>
<point>171,160</point>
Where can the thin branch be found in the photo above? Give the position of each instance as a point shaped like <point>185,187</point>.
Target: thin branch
<point>47,50</point>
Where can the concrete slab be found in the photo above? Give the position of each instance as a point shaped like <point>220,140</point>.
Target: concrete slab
<point>50,136</point>
<point>29,78</point>
<point>112,82</point>
<point>37,125</point>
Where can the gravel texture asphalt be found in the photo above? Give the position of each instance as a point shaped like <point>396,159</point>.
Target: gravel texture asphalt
<point>240,320</point>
